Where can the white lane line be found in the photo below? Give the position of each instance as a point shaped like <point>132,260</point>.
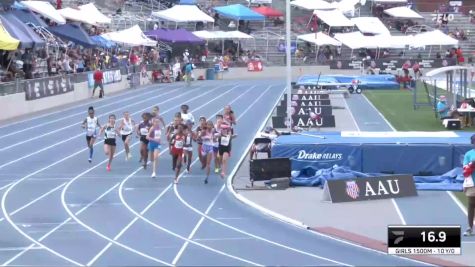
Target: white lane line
<point>4,197</point>
<point>224,239</point>
<point>82,112</point>
<point>67,221</point>
<point>34,201</point>
<point>140,215</point>
<point>77,124</point>
<point>283,218</point>
<point>200,221</point>
<point>97,143</point>
<point>229,182</point>
<point>84,105</point>
<point>5,186</point>
<point>16,248</point>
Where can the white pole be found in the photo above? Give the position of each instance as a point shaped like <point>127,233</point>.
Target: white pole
<point>288,57</point>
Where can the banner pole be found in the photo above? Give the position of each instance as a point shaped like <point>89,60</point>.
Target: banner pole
<point>288,62</point>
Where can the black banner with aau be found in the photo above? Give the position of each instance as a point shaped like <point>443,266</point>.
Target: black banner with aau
<point>306,121</point>
<point>40,88</point>
<point>320,94</point>
<point>319,110</point>
<point>370,188</point>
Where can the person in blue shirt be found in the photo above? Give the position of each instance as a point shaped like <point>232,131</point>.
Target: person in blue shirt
<point>443,108</point>
<point>470,191</point>
<point>188,70</point>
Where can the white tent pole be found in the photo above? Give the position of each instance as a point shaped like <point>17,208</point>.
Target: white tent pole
<point>288,63</point>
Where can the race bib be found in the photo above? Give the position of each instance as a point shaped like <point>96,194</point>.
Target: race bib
<point>143,131</point>
<point>225,140</point>
<point>158,133</point>
<point>179,143</point>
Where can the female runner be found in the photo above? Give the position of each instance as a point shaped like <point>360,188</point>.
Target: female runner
<point>126,128</point>
<point>224,141</point>
<point>177,141</point>
<point>171,129</point>
<point>199,141</point>
<point>154,145</point>
<point>188,146</point>
<point>207,135</point>
<point>110,133</point>
<point>142,131</point>
<point>230,118</point>
<point>91,124</point>
<point>217,158</point>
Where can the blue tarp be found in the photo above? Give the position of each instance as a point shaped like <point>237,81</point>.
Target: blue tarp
<point>238,12</point>
<point>413,155</point>
<point>187,2</point>
<point>19,30</point>
<point>102,42</point>
<point>449,181</point>
<point>74,33</point>
<point>28,17</point>
<point>174,36</point>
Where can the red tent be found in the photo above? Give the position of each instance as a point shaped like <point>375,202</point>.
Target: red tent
<point>268,11</point>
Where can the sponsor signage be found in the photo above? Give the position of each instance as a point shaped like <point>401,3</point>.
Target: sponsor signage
<point>320,94</point>
<point>110,76</point>
<point>305,121</point>
<point>370,188</point>
<point>319,110</point>
<point>391,64</point>
<point>40,88</point>
<point>318,100</point>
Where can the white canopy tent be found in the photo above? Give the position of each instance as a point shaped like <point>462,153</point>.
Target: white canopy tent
<point>131,37</point>
<point>403,13</point>
<point>312,4</point>
<point>370,25</point>
<point>93,11</point>
<point>222,36</point>
<point>334,18</point>
<point>389,1</point>
<point>259,1</point>
<point>356,40</point>
<point>183,13</point>
<point>319,39</point>
<point>46,10</point>
<point>77,15</point>
<point>347,7</point>
<point>435,37</point>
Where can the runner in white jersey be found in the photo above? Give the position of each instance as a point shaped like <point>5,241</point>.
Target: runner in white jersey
<point>126,128</point>
<point>92,126</point>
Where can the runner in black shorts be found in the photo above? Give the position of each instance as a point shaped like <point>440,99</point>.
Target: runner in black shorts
<point>199,141</point>
<point>110,133</point>
<point>224,148</point>
<point>142,131</point>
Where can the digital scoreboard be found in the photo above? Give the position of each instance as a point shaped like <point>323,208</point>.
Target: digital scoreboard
<point>424,240</point>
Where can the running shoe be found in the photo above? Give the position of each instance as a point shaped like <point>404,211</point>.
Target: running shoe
<point>216,170</point>
<point>145,166</point>
<point>206,180</point>
<point>129,156</point>
<point>154,175</point>
<point>108,168</point>
<point>222,175</point>
<point>468,232</point>
<point>90,160</point>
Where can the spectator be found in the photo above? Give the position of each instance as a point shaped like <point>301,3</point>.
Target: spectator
<point>98,82</point>
<point>417,70</point>
<point>444,110</point>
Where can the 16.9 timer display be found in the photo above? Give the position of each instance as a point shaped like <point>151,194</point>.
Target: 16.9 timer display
<point>415,240</point>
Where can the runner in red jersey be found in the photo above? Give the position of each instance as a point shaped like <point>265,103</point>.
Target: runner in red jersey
<point>177,143</point>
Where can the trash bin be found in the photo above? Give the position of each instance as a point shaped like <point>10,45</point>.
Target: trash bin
<point>210,74</point>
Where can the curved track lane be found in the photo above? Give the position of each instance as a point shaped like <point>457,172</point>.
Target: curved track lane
<point>58,209</point>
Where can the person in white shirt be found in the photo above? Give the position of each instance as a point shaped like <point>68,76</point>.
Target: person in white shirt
<point>187,117</point>
<point>269,133</point>
<point>126,128</point>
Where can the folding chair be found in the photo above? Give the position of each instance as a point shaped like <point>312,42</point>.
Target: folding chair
<point>261,145</point>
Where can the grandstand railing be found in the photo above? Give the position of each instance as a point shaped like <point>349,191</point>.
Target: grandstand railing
<point>268,36</point>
